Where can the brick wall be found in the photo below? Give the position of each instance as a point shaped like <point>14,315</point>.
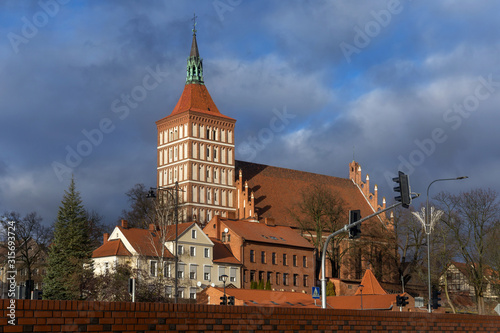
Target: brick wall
<point>75,316</point>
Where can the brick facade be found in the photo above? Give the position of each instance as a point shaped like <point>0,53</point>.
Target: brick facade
<point>78,316</point>
<point>271,253</point>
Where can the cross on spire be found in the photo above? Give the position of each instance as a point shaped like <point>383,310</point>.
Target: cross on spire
<point>194,23</point>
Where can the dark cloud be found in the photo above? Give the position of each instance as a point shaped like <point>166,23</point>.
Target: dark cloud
<point>380,104</point>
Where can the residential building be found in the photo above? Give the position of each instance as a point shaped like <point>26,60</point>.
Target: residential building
<point>458,278</point>
<point>268,253</point>
<point>142,249</point>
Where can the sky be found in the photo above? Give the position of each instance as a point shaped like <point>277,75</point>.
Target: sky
<point>395,85</point>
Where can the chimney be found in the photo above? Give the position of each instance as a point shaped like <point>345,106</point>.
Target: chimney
<point>124,224</point>
<point>269,221</point>
<point>105,238</point>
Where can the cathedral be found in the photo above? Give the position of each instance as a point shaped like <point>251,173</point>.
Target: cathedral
<point>196,150</point>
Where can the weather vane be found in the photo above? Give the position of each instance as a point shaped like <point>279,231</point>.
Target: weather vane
<point>194,23</point>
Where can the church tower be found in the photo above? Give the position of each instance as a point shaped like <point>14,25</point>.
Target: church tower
<point>196,149</point>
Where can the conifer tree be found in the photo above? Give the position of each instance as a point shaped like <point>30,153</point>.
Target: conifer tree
<point>69,262</point>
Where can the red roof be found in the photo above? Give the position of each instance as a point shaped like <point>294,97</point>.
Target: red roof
<point>256,297</point>
<point>222,254</point>
<point>145,242</point>
<point>276,190</point>
<point>263,233</point>
<point>370,284</point>
<point>196,97</point>
<point>111,248</point>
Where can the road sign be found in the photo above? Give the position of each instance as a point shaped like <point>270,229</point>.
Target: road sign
<point>497,308</point>
<point>315,293</point>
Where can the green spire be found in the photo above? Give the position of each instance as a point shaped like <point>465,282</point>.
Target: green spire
<point>194,62</point>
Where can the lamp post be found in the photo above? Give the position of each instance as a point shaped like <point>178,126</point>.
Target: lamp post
<point>224,279</point>
<point>428,233</point>
<point>152,194</point>
<point>361,291</point>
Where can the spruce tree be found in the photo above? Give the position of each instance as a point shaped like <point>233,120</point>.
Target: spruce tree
<point>69,264</point>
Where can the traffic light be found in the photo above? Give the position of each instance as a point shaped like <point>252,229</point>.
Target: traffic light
<point>401,300</point>
<point>223,300</point>
<point>404,188</point>
<point>230,300</point>
<point>354,232</point>
<point>435,299</point>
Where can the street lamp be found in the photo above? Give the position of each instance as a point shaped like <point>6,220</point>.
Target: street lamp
<point>361,291</point>
<point>427,229</point>
<point>224,279</point>
<point>152,194</point>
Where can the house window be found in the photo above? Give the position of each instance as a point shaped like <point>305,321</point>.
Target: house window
<point>180,272</point>
<point>168,291</point>
<point>252,276</point>
<point>192,293</point>
<point>106,267</point>
<point>285,262</point>
<point>223,238</point>
<point>304,261</point>
<point>274,258</point>
<point>206,273</point>
<point>180,250</point>
<point>285,279</point>
<point>245,272</point>
<point>181,292</point>
<point>252,256</point>
<point>295,260</point>
<point>222,271</point>
<point>295,279</point>
<point>207,252</point>
<point>305,281</point>
<point>263,257</point>
<point>153,267</point>
<point>269,276</point>
<point>192,251</point>
<point>192,271</point>
<point>278,278</point>
<point>166,270</point>
<point>193,234</point>
<point>232,274</point>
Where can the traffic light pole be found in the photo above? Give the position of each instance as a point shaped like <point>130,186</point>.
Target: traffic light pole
<point>345,229</point>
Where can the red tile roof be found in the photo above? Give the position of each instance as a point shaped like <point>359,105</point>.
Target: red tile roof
<point>111,248</point>
<point>263,233</point>
<point>145,242</point>
<point>196,97</point>
<point>276,190</point>
<point>222,254</point>
<point>370,284</point>
<point>255,297</point>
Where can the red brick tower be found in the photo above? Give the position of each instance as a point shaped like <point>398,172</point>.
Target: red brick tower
<point>196,149</point>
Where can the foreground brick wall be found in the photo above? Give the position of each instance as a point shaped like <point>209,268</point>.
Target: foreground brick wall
<point>74,316</point>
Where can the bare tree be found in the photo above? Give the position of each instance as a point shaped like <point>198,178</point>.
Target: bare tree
<point>142,212</point>
<point>31,238</point>
<point>410,249</point>
<point>319,212</point>
<point>470,217</point>
<point>96,227</point>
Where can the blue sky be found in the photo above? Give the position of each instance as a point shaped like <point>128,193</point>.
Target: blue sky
<point>402,85</point>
